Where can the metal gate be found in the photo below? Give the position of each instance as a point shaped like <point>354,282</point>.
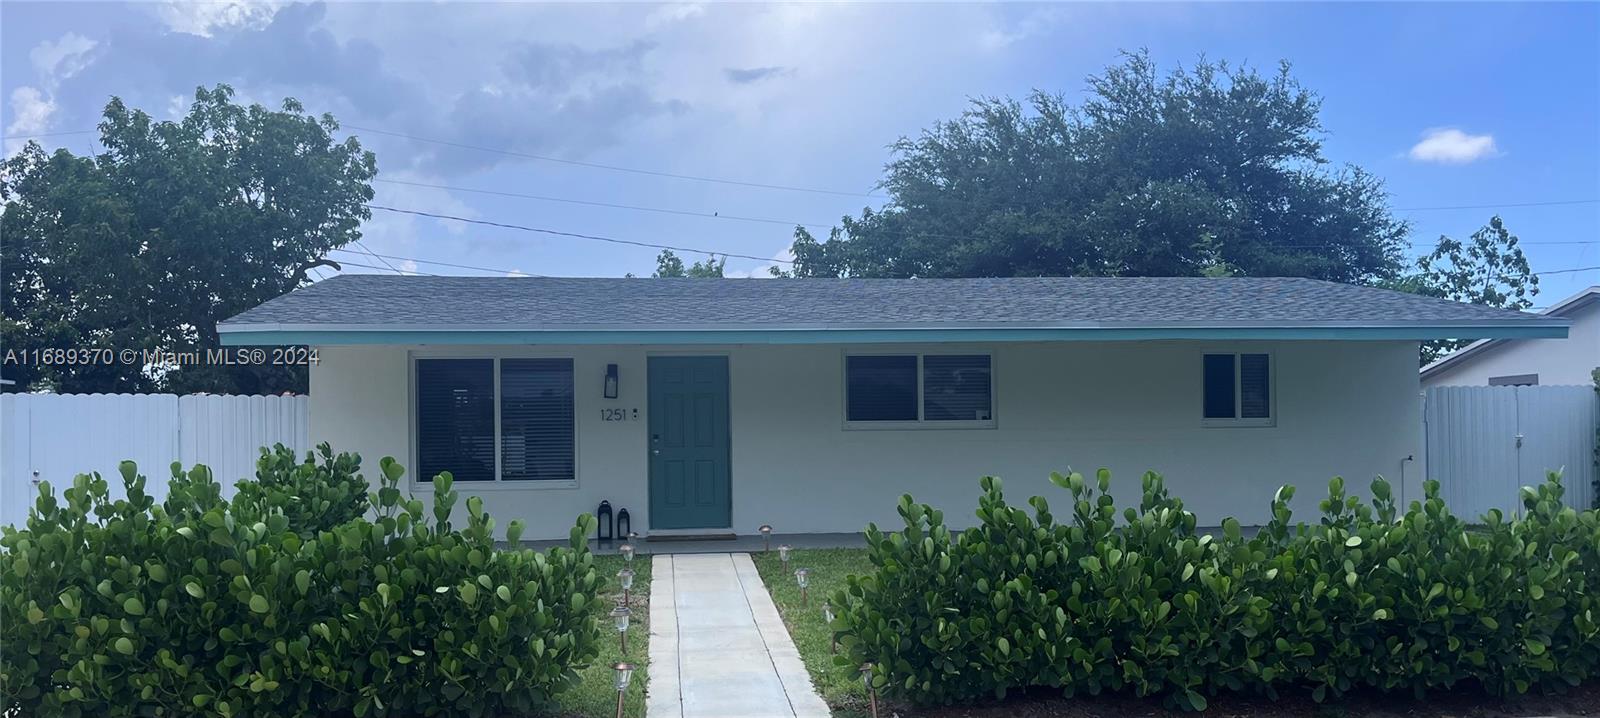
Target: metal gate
<point>1486,442</point>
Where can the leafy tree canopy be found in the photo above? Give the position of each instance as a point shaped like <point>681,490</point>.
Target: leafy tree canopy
<point>1488,269</point>
<point>1206,171</point>
<point>172,228</point>
<point>668,265</point>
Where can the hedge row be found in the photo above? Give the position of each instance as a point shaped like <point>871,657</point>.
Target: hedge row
<point>258,607</point>
<point>1367,597</point>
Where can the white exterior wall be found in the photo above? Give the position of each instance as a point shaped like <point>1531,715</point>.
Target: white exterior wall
<point>1567,361</point>
<point>1342,408</point>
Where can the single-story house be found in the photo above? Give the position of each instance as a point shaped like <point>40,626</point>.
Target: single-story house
<point>715,406</point>
<point>1529,361</point>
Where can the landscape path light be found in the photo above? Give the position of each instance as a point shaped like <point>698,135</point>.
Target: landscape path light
<point>827,615</point>
<point>624,674</point>
<point>872,695</point>
<point>802,577</point>
<point>619,616</point>
<point>627,553</point>
<point>625,577</point>
<point>783,555</point>
<point>766,538</point>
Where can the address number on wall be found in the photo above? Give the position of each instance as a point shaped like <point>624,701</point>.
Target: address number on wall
<point>619,414</point>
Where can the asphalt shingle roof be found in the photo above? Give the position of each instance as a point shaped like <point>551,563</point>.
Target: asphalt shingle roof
<point>377,301</point>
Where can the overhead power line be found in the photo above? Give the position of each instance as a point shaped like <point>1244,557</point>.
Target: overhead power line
<point>575,235</point>
<point>444,264</point>
<point>386,263</point>
<point>611,205</point>
<point>613,168</point>
<point>1569,271</point>
<point>49,134</point>
<point>1498,206</point>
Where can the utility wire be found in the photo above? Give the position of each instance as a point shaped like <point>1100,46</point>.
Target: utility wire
<point>1495,206</point>
<point>614,168</point>
<point>49,134</point>
<point>610,205</point>
<point>386,263</point>
<point>343,263</point>
<point>448,264</point>
<point>576,235</point>
<point>1569,271</point>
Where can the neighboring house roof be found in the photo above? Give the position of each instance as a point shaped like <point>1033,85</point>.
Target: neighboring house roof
<point>1563,308</point>
<point>380,309</point>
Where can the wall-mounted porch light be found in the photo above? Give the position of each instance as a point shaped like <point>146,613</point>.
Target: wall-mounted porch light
<point>611,381</point>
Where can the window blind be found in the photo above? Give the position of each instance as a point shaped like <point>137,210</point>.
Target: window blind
<point>455,419</point>
<point>536,420</point>
<point>881,388</point>
<point>1254,385</point>
<point>955,388</point>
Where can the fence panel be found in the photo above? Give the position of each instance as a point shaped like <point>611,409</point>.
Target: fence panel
<point>54,437</point>
<point>1485,442</point>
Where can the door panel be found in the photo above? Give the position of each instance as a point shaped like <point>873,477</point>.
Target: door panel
<point>690,485</point>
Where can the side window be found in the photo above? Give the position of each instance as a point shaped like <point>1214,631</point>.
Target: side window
<point>455,419</point>
<point>1237,389</point>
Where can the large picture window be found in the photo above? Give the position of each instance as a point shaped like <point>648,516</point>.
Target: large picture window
<point>910,390</point>
<point>496,419</point>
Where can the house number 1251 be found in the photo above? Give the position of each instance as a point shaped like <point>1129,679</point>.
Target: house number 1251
<point>618,414</point>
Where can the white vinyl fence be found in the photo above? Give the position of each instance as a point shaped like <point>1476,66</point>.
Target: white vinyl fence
<point>54,437</point>
<point>1485,442</point>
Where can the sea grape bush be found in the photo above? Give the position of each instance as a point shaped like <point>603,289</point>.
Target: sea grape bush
<point>199,606</point>
<point>1368,597</point>
<point>313,496</point>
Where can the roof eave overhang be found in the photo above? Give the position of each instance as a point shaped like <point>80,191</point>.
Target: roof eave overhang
<point>352,334</point>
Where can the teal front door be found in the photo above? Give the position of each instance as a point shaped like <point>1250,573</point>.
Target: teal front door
<point>689,479</point>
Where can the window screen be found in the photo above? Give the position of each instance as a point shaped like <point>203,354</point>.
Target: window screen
<point>1254,385</point>
<point>1219,386</point>
<point>955,388</point>
<point>455,418</point>
<point>536,420</point>
<point>881,388</point>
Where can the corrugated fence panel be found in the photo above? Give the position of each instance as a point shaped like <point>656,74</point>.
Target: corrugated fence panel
<point>62,435</point>
<point>1486,442</point>
<point>1558,425</point>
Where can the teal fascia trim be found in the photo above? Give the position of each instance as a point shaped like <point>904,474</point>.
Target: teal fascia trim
<point>884,336</point>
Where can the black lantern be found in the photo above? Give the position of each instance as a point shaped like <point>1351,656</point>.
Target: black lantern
<point>611,381</point>
<point>604,530</point>
<point>624,523</point>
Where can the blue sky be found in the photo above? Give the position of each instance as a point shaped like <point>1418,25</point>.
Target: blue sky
<point>1452,104</point>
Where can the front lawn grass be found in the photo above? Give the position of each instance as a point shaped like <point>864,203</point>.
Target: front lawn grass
<point>595,697</point>
<point>840,686</point>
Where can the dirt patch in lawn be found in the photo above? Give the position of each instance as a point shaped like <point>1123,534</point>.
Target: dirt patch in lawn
<point>1465,703</point>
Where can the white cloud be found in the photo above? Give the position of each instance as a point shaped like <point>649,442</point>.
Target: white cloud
<point>207,18</point>
<point>1450,146</point>
<point>30,114</point>
<point>63,58</point>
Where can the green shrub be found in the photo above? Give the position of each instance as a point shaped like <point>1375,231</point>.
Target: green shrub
<point>313,497</point>
<point>126,608</point>
<point>1365,598</point>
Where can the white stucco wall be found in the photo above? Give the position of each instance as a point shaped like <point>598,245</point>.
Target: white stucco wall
<point>1342,408</point>
<point>1567,361</point>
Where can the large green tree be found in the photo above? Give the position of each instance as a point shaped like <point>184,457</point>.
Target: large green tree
<point>1487,269</point>
<point>172,228</point>
<point>1210,170</point>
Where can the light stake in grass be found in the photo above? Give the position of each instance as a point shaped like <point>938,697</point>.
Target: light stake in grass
<point>783,555</point>
<point>627,553</point>
<point>624,674</point>
<point>766,538</point>
<point>872,696</point>
<point>801,577</point>
<point>833,640</point>
<point>625,577</point>
<point>619,616</point>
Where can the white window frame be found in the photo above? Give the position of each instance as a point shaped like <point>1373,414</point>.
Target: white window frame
<point>920,423</point>
<point>499,483</point>
<point>1239,421</point>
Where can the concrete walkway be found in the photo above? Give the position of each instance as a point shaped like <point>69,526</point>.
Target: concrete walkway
<point>717,646</point>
